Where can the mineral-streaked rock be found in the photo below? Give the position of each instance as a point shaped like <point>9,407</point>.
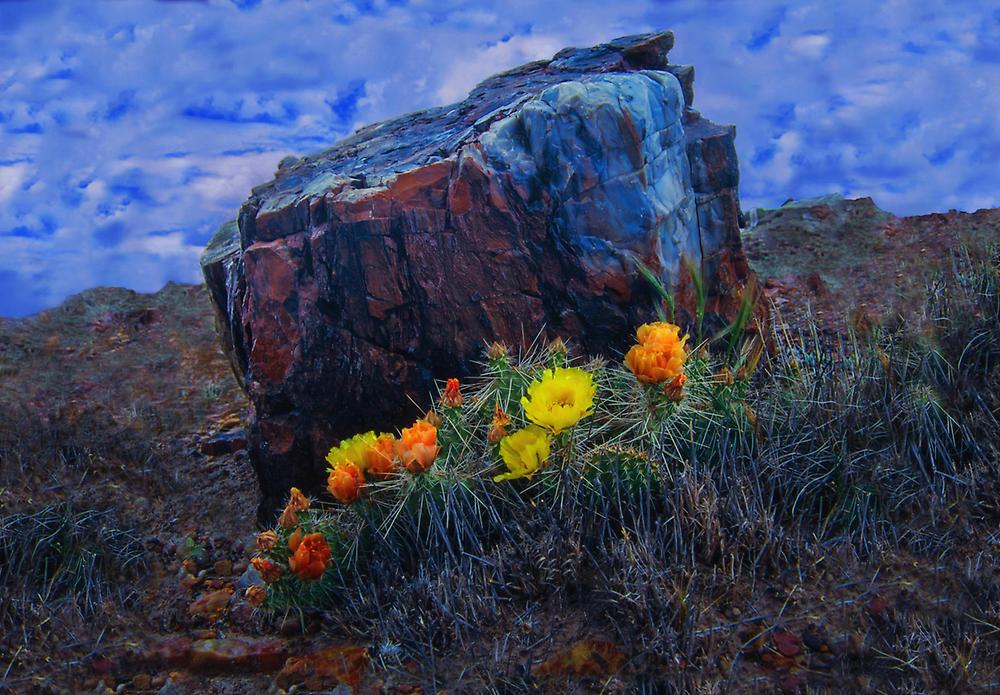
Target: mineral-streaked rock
<point>360,274</point>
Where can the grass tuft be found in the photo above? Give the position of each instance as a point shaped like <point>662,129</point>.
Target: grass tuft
<point>825,450</point>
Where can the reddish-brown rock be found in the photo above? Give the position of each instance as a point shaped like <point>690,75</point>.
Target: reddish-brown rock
<point>362,273</point>
<point>325,669</point>
<point>217,655</point>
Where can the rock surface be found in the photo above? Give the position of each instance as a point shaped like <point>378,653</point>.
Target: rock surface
<point>360,274</point>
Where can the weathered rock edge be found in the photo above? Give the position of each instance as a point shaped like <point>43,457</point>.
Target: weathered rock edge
<point>360,274</point>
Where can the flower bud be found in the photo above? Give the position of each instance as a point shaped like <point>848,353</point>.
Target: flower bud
<point>498,428</point>
<point>297,502</point>
<point>255,595</point>
<point>267,540</point>
<point>674,389</point>
<point>433,419</point>
<point>497,351</point>
<point>268,570</point>
<point>452,396</point>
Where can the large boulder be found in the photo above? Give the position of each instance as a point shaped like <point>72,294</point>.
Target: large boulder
<point>360,274</point>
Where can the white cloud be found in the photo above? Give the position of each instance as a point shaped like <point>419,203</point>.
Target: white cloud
<point>465,74</point>
<point>130,131</point>
<point>810,45</point>
<point>11,177</point>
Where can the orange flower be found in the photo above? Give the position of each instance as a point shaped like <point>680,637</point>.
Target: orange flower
<point>660,354</point>
<point>294,540</point>
<point>255,595</point>
<point>498,428</point>
<point>311,557</point>
<point>380,458</point>
<point>418,446</point>
<point>297,502</point>
<point>452,397</point>
<point>266,540</point>
<point>651,365</point>
<point>345,482</point>
<point>269,571</point>
<point>660,334</point>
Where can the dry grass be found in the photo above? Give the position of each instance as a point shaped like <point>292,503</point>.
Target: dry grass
<point>833,462</point>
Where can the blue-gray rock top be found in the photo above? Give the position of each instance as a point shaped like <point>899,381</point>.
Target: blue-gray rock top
<point>361,273</point>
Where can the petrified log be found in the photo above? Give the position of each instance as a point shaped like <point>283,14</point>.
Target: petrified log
<point>360,274</point>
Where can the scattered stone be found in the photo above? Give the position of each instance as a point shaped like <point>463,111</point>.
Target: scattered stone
<point>589,658</point>
<point>878,608</point>
<point>231,655</point>
<point>211,605</point>
<point>814,639</point>
<point>223,568</point>
<point>325,669</point>
<point>230,421</point>
<point>142,681</point>
<point>101,665</point>
<point>178,683</point>
<point>793,683</point>
<point>248,577</point>
<point>171,652</point>
<point>787,643</point>
<point>224,443</point>
<point>291,626</point>
<point>217,655</point>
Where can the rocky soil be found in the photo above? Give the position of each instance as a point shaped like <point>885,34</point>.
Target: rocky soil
<point>124,402</point>
<point>843,262</point>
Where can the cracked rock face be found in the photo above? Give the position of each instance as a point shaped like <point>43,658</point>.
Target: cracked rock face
<point>360,274</point>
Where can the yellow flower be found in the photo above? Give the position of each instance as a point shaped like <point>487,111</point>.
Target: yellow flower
<point>660,354</point>
<point>524,452</point>
<point>560,398</point>
<point>351,450</point>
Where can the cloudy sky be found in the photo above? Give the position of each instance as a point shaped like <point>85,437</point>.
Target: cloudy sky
<point>131,129</point>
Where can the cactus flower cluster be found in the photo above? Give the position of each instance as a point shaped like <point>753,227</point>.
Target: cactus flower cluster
<point>553,402</point>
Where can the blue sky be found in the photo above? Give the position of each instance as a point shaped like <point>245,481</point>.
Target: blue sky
<point>130,130</point>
